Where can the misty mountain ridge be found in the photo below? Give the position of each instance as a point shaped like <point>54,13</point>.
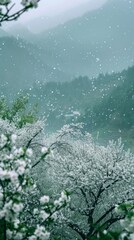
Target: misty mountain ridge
<point>19,31</point>
<point>23,64</point>
<point>86,100</point>
<point>99,40</point>
<point>44,22</point>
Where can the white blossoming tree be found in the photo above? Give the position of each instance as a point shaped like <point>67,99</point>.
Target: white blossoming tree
<point>98,178</point>
<point>7,12</point>
<point>24,212</point>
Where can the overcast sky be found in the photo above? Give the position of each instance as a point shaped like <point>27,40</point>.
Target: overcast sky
<point>55,7</point>
<point>52,9</point>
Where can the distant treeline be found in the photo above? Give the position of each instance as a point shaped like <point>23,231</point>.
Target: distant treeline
<point>106,100</point>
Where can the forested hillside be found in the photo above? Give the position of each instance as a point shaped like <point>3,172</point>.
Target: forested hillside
<point>114,114</point>
<point>68,101</point>
<point>104,104</point>
<point>100,41</point>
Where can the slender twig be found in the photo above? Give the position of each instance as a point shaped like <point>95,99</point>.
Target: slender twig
<point>6,17</point>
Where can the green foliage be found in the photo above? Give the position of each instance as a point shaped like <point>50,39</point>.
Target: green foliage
<point>126,231</point>
<point>19,112</point>
<point>65,102</point>
<point>117,108</point>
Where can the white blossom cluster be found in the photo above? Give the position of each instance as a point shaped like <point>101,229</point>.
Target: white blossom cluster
<point>25,134</point>
<point>15,187</point>
<point>63,199</point>
<point>89,165</point>
<point>98,177</point>
<point>127,225</point>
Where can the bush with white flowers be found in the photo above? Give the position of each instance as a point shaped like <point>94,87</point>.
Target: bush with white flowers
<point>17,187</point>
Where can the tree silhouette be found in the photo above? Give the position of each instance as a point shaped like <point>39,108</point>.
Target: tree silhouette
<point>8,12</point>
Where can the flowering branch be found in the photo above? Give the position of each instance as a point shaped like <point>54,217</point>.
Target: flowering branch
<point>16,187</point>
<point>6,10</point>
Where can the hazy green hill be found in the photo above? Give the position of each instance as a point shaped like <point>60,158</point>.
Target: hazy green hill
<point>113,116</point>
<point>3,33</point>
<point>20,31</point>
<point>64,102</point>
<point>99,41</point>
<point>22,64</point>
<point>104,104</point>
<point>117,108</point>
<point>43,23</point>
